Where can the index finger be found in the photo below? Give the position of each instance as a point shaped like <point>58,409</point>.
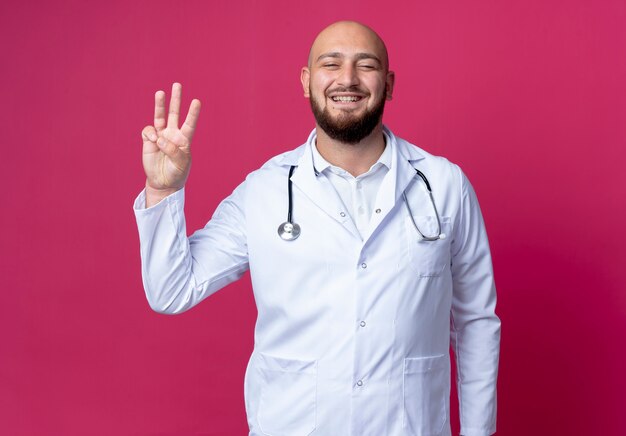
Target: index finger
<point>172,119</point>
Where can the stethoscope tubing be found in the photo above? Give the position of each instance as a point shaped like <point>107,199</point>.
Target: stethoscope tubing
<point>432,201</point>
<point>289,189</point>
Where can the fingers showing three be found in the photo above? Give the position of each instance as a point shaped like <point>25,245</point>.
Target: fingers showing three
<point>160,123</point>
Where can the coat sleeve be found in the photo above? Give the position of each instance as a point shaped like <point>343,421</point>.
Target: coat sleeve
<point>179,272</point>
<point>475,328</point>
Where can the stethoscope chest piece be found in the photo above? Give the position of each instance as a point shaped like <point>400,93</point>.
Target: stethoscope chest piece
<point>289,231</point>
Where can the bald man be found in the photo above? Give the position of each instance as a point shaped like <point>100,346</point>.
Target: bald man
<point>368,258</point>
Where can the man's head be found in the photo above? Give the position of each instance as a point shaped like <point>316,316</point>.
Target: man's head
<point>347,80</point>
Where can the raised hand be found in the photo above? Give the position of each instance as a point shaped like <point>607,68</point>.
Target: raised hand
<point>167,148</point>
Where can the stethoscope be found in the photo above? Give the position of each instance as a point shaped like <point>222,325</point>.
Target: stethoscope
<point>290,230</point>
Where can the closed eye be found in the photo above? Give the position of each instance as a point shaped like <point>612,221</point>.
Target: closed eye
<point>368,67</point>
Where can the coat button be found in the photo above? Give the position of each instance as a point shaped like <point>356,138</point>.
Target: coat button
<point>362,323</point>
<point>359,383</point>
<point>363,265</point>
<point>343,214</point>
<point>377,210</point>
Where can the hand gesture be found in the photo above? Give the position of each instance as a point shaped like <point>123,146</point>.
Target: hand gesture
<point>167,148</point>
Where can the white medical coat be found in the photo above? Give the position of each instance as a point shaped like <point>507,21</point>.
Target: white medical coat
<point>353,334</point>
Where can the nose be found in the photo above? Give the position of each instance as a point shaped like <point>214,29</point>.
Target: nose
<point>348,76</point>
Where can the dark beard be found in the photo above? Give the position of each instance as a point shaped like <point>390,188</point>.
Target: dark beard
<point>348,129</point>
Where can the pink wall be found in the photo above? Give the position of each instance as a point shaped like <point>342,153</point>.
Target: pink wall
<point>528,96</point>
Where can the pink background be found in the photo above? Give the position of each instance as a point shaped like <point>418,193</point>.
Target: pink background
<point>529,97</point>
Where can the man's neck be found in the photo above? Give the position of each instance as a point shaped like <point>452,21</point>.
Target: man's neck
<point>356,158</point>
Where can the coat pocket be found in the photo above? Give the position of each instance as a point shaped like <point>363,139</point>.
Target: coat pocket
<point>429,258</point>
<point>288,396</point>
<point>425,387</point>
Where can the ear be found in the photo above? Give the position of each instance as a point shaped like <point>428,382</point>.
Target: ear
<point>305,77</point>
<point>389,82</point>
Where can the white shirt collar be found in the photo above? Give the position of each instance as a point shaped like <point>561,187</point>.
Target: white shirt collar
<point>320,164</point>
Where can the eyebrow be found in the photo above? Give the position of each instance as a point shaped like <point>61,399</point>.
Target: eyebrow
<point>358,56</point>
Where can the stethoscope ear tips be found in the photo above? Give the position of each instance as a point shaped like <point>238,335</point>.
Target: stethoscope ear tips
<point>289,231</point>
<point>442,236</point>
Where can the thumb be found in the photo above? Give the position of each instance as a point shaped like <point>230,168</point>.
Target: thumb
<point>168,147</point>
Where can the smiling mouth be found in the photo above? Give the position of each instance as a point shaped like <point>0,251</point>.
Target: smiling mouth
<point>346,98</point>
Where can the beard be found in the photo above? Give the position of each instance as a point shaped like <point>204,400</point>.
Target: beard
<point>347,128</point>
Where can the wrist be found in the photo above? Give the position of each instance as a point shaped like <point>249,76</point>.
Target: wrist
<point>156,195</point>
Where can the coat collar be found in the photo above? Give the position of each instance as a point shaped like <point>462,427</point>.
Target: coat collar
<point>406,150</point>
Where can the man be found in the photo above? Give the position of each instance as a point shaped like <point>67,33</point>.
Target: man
<point>362,278</point>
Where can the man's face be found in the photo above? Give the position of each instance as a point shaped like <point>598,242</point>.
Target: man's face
<point>347,81</point>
